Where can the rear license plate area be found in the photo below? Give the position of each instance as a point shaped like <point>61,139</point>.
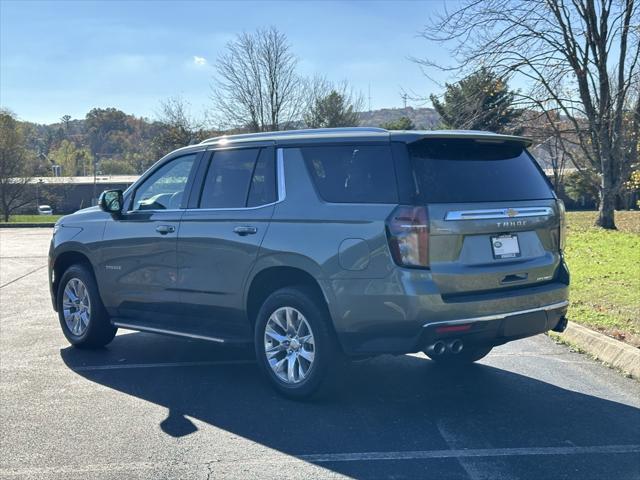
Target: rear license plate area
<point>505,246</point>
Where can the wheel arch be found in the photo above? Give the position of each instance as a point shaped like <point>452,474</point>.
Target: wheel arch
<point>272,278</point>
<point>65,260</point>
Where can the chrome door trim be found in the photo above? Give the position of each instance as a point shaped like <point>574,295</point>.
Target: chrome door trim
<point>499,316</point>
<point>487,214</point>
<point>165,332</point>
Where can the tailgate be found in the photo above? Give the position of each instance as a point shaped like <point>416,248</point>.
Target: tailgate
<point>501,245</point>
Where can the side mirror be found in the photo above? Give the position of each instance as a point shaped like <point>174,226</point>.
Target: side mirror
<point>111,201</point>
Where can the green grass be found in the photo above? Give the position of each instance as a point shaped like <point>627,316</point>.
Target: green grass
<point>32,218</point>
<point>605,274</point>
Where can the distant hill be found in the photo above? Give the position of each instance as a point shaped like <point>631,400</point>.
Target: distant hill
<point>422,118</point>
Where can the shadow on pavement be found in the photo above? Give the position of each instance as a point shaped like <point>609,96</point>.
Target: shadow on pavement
<point>387,404</point>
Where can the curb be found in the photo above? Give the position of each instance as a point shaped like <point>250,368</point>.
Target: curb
<point>27,225</point>
<point>613,352</point>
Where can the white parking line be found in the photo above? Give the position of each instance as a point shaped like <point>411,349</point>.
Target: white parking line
<point>283,458</point>
<point>125,366</point>
<point>468,453</point>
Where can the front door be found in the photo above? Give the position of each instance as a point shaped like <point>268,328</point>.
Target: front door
<point>139,264</point>
<point>220,238</point>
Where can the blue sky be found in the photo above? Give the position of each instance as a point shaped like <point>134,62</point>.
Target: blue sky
<point>61,58</point>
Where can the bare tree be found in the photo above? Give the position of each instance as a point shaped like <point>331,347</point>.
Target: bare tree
<point>257,87</point>
<point>580,58</point>
<point>16,168</point>
<point>179,127</point>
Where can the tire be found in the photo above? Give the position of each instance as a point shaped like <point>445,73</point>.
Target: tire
<point>292,306</point>
<point>468,355</point>
<point>85,323</point>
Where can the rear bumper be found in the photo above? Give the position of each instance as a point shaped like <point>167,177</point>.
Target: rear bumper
<point>405,313</point>
<point>498,328</point>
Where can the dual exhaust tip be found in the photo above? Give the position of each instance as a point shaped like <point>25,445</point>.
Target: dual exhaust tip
<point>441,347</point>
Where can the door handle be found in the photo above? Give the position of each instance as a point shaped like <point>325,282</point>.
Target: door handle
<point>245,230</point>
<point>164,229</point>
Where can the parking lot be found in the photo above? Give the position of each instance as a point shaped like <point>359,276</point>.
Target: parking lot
<point>157,407</point>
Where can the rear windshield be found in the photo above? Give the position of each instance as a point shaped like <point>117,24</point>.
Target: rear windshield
<point>461,170</point>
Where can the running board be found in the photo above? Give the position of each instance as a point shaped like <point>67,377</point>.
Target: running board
<point>163,331</point>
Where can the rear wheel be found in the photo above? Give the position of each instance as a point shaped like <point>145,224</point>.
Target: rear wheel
<point>293,341</point>
<point>82,316</point>
<point>469,354</point>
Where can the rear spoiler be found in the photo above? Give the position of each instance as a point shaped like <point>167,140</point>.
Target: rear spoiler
<point>415,136</point>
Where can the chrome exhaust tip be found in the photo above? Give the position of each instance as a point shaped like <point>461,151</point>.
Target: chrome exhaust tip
<point>456,346</point>
<point>437,348</point>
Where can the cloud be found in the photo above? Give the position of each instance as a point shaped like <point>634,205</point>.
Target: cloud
<point>199,61</point>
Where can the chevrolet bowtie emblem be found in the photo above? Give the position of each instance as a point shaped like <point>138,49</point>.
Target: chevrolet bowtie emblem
<point>511,212</point>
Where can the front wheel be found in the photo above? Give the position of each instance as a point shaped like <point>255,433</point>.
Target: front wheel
<point>469,354</point>
<point>82,316</point>
<point>293,341</point>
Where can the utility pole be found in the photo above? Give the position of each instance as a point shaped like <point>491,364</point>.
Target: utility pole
<point>369,97</point>
<point>404,99</point>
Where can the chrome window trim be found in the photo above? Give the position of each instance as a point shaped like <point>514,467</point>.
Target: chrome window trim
<point>282,190</point>
<point>511,212</point>
<point>499,316</point>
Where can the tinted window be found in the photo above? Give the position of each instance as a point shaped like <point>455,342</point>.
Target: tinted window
<point>352,174</point>
<point>164,189</point>
<point>227,181</point>
<point>471,171</point>
<point>263,182</point>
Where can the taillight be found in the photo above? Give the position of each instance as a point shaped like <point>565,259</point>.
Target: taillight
<point>562,234</point>
<point>408,232</point>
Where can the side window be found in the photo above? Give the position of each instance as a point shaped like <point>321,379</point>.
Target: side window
<point>263,182</point>
<point>352,174</point>
<point>227,182</point>
<point>164,189</point>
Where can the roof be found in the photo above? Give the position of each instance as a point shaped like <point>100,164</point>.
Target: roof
<point>360,133</point>
<point>100,180</point>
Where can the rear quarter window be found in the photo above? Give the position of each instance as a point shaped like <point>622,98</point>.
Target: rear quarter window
<point>466,170</point>
<point>352,173</point>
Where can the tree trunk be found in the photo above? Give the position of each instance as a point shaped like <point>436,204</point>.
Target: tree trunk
<point>607,206</point>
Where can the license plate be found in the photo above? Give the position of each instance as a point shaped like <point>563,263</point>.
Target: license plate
<point>505,246</point>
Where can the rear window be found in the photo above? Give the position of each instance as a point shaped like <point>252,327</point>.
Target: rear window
<point>461,170</point>
<point>353,173</point>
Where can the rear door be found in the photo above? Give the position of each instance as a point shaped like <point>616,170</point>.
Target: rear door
<point>220,235</point>
<point>493,219</point>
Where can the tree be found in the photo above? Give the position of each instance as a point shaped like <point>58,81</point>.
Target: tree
<point>16,165</point>
<point>178,128</point>
<point>402,123</point>
<point>480,101</point>
<point>103,126</point>
<point>332,106</point>
<point>257,87</point>
<point>581,58</point>
<point>72,159</point>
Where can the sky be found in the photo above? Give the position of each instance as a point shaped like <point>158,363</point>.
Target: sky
<point>60,58</point>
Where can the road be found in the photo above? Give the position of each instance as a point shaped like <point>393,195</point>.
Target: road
<point>156,407</point>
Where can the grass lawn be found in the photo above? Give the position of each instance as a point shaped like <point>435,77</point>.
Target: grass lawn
<point>605,274</point>
<point>32,219</point>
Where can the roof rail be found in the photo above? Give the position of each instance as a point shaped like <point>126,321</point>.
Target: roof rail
<point>304,131</point>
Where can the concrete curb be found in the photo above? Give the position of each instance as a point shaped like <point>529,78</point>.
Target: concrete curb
<point>27,225</point>
<point>613,352</point>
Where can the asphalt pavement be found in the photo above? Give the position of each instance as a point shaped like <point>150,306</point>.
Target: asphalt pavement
<point>149,406</point>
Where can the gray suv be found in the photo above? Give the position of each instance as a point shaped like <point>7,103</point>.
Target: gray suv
<point>319,245</point>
